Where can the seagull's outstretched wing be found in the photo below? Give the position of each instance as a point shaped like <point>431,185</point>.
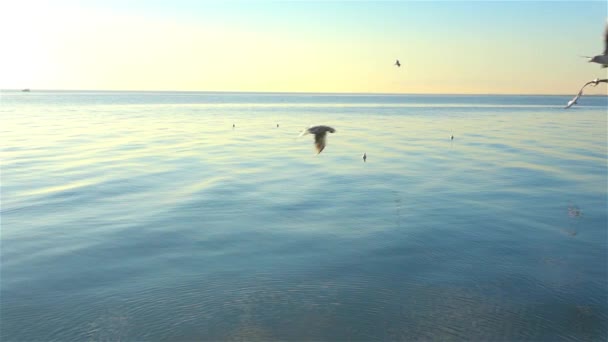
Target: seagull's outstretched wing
<point>320,141</point>
<point>606,39</point>
<point>321,129</point>
<point>580,92</point>
<point>573,101</point>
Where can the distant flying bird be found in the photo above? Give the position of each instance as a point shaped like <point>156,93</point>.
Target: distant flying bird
<point>452,137</point>
<point>398,64</point>
<point>233,126</point>
<point>277,125</point>
<point>320,133</point>
<point>364,157</point>
<point>595,82</point>
<point>601,59</point>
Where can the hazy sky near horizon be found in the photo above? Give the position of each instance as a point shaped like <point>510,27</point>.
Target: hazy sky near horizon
<point>458,47</point>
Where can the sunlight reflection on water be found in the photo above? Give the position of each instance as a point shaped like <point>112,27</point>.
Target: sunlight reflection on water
<point>151,221</point>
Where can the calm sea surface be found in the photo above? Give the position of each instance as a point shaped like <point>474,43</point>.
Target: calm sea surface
<point>144,216</point>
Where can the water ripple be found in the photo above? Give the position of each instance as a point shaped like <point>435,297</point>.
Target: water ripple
<point>151,218</point>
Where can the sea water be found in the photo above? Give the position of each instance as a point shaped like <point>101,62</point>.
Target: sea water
<point>143,216</point>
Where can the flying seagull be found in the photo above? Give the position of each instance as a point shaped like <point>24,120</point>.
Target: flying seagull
<point>601,59</point>
<point>595,82</point>
<point>398,64</point>
<point>320,133</point>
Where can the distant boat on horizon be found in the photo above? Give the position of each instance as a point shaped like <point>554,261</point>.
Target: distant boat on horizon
<point>26,90</point>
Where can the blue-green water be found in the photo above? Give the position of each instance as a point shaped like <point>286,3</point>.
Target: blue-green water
<point>142,216</point>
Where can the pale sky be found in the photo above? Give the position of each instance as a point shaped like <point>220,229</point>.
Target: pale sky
<point>478,47</point>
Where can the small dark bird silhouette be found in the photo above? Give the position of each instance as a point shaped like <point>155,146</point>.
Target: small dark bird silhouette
<point>398,64</point>
<point>233,126</point>
<point>277,125</point>
<point>320,133</point>
<point>452,137</point>
<point>364,157</point>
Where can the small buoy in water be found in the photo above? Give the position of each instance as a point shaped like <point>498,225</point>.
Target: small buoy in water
<point>364,157</point>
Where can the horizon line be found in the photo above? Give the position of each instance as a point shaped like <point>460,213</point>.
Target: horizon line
<point>288,92</point>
